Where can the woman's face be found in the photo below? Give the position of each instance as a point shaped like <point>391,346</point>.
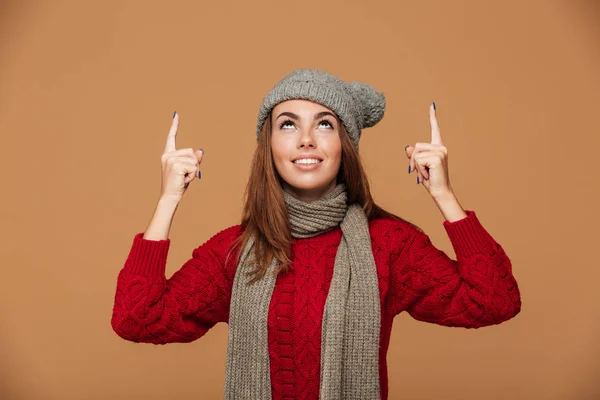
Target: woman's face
<point>306,147</point>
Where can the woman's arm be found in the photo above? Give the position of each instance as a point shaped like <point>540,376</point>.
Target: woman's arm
<point>150,308</point>
<point>478,289</point>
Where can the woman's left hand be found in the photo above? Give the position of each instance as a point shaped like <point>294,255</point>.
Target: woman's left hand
<point>430,160</point>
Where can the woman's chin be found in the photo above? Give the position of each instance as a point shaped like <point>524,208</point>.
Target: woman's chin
<point>301,186</point>
<point>304,185</point>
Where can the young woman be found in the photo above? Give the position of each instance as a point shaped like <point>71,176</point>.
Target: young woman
<point>311,279</point>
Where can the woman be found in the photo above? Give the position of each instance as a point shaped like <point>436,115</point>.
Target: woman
<point>312,278</point>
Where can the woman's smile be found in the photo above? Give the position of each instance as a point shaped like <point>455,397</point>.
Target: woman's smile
<point>307,162</point>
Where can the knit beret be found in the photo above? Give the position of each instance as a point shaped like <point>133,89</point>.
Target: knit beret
<point>356,104</point>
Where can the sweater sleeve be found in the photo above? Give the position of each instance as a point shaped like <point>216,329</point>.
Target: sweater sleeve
<point>478,289</point>
<point>150,308</point>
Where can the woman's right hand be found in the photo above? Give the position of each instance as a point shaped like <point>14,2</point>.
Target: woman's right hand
<point>179,167</point>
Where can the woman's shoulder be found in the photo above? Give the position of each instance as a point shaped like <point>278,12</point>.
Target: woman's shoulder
<point>391,230</point>
<point>232,231</point>
<point>222,239</point>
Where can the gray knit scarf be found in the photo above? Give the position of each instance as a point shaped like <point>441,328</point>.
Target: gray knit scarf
<point>351,320</point>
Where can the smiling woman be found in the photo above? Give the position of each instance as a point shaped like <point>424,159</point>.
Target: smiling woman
<point>313,276</point>
<point>299,130</point>
<point>306,147</point>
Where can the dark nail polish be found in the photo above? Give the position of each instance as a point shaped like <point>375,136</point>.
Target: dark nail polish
<point>434,106</point>
<point>186,185</point>
<point>409,169</point>
<point>417,180</point>
<point>174,114</point>
<point>199,174</point>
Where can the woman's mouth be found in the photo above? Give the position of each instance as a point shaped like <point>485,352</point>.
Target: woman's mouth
<point>307,164</point>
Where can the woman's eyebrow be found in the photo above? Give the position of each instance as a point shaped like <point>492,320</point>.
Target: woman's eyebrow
<point>296,117</point>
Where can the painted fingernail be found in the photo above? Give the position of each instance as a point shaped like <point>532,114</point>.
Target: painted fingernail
<point>186,185</point>
<point>409,169</point>
<point>417,180</point>
<point>434,106</point>
<point>174,114</point>
<point>199,174</point>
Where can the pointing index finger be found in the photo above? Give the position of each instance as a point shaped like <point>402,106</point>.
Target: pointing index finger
<point>170,146</point>
<point>436,137</point>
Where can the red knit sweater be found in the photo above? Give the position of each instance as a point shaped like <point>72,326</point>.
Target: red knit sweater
<point>414,276</point>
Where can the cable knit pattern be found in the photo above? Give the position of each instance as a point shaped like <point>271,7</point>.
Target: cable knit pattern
<point>477,289</point>
<point>309,280</point>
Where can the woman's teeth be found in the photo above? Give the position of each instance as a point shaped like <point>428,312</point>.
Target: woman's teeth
<point>307,161</point>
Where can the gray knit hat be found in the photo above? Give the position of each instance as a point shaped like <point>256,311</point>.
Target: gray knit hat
<point>356,104</point>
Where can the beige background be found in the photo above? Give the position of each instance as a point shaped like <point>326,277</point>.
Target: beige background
<point>87,91</point>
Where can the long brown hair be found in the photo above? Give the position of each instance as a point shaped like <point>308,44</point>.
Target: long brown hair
<point>265,214</point>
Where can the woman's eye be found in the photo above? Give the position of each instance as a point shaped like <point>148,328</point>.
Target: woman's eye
<point>326,122</point>
<point>284,123</point>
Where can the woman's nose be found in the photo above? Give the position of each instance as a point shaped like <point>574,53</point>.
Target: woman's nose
<point>306,140</point>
